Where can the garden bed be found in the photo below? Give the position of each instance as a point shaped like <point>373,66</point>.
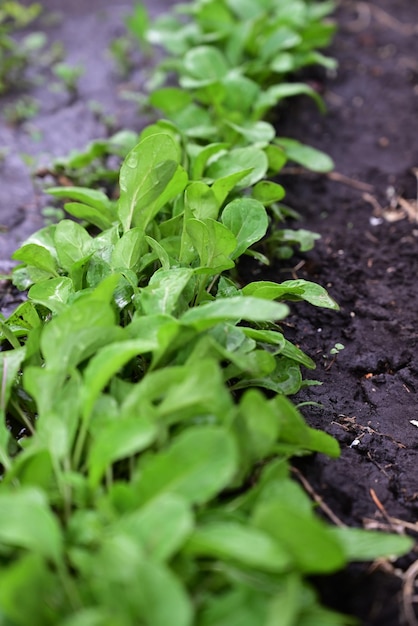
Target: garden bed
<point>366,259</point>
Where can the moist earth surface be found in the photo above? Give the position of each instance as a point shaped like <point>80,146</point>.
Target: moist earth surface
<point>366,212</point>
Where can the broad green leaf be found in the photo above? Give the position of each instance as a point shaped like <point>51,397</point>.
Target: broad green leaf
<point>190,395</point>
<point>170,99</point>
<point>198,464</point>
<point>160,251</point>
<point>235,308</point>
<point>53,293</point>
<point>91,197</point>
<point>277,158</point>
<point>273,95</point>
<point>305,537</point>
<point>23,582</point>
<point>247,220</point>
<point>213,242</point>
<point>149,178</point>
<point>164,290</point>
<point>203,65</point>
<point>240,93</point>
<point>77,333</point>
<point>203,155</point>
<point>294,430</point>
<point>268,192</point>
<point>244,545</point>
<point>106,363</point>
<point>254,132</point>
<point>307,156</point>
<point>303,238</point>
<point>223,186</point>
<point>37,256</point>
<point>240,606</point>
<point>42,536</point>
<point>162,525</point>
<point>90,214</point>
<point>73,243</point>
<point>117,440</point>
<point>282,38</point>
<point>238,160</point>
<point>201,201</point>
<point>131,586</point>
<point>368,545</point>
<point>291,290</point>
<point>24,318</point>
<point>262,423</point>
<point>127,251</point>
<point>285,606</point>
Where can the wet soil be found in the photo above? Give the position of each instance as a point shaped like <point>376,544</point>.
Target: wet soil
<point>367,257</point>
<point>367,215</point>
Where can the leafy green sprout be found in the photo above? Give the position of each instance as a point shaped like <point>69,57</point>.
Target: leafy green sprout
<point>69,75</point>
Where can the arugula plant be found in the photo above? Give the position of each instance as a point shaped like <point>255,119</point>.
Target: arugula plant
<point>156,473</point>
<point>149,391</point>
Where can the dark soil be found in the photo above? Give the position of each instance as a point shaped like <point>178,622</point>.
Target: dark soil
<point>367,257</point>
<point>368,260</point>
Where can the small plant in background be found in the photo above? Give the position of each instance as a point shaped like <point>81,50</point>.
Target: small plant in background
<point>15,55</point>
<point>21,110</point>
<point>334,352</point>
<point>69,76</point>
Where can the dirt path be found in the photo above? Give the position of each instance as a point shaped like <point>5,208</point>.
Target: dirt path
<point>368,262</point>
<point>370,265</point>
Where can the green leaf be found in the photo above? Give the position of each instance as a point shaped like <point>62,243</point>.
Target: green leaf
<point>126,253</point>
<point>130,586</point>
<point>162,525</point>
<point>117,440</point>
<point>291,290</point>
<point>306,538</point>
<point>37,256</point>
<point>77,333</point>
<point>202,157</point>
<point>203,65</point>
<point>368,545</point>
<point>248,220</point>
<point>91,197</point>
<point>73,243</point>
<point>213,242</point>
<point>223,186</point>
<point>22,583</point>
<point>270,97</point>
<point>53,293</point>
<point>90,214</point>
<point>262,423</point>
<point>238,160</point>
<point>267,192</point>
<point>164,290</point>
<point>42,536</point>
<point>254,132</point>
<point>235,308</point>
<point>106,363</point>
<point>246,546</point>
<point>240,606</point>
<point>202,201</point>
<point>307,156</point>
<point>198,464</point>
<point>170,99</point>
<point>149,178</point>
